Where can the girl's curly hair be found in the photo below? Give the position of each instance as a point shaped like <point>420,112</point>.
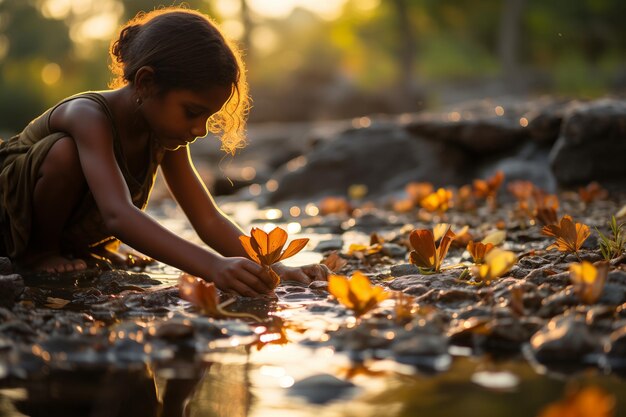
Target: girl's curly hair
<point>187,51</point>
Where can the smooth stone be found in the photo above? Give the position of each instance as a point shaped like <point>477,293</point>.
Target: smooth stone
<point>564,338</point>
<point>329,245</point>
<point>404,269</point>
<point>321,388</point>
<point>6,268</point>
<point>11,287</point>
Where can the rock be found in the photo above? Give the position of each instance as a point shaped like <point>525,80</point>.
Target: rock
<point>321,388</point>
<point>394,251</point>
<point>328,245</point>
<point>6,268</point>
<point>11,287</point>
<point>475,127</point>
<point>592,144</point>
<point>545,123</point>
<point>382,158</point>
<point>404,269</point>
<point>564,338</point>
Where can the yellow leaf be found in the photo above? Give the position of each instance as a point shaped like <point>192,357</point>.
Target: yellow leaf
<point>497,263</point>
<point>495,238</point>
<point>588,280</point>
<point>356,293</point>
<point>438,201</point>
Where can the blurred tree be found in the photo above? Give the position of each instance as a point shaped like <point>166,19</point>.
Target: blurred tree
<point>509,37</point>
<point>32,42</point>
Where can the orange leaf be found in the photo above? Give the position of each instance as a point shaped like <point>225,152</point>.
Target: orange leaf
<point>266,249</point>
<point>586,402</point>
<point>569,235</point>
<point>357,293</point>
<point>478,250</point>
<point>334,262</point>
<point>426,254</point>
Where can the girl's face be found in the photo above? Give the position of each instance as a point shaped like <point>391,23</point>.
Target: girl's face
<point>178,117</point>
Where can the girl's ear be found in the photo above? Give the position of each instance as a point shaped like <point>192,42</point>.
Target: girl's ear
<point>144,82</point>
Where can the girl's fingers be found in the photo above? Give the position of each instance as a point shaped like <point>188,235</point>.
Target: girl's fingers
<point>242,289</point>
<point>255,282</point>
<point>259,274</point>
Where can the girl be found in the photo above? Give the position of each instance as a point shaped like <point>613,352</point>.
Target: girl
<point>77,178</point>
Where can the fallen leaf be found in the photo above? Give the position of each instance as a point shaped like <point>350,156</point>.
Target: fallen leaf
<point>356,293</point>
<point>588,280</point>
<point>569,235</point>
<point>478,250</point>
<point>488,188</point>
<point>593,191</point>
<point>404,306</point>
<point>334,262</point>
<point>417,191</point>
<point>495,238</point>
<point>56,303</point>
<point>497,263</point>
<point>439,201</point>
<point>425,253</point>
<point>330,205</point>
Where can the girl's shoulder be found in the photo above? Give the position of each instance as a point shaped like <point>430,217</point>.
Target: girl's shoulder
<point>87,108</point>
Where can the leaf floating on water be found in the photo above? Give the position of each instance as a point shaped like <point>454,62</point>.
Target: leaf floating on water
<point>267,248</point>
<point>357,293</point>
<point>588,280</point>
<point>56,303</point>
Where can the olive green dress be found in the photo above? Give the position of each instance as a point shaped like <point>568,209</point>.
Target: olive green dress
<point>20,161</point>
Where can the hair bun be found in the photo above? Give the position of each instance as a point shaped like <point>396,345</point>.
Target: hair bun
<point>120,47</point>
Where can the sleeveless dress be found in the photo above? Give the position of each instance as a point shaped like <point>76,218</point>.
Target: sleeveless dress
<point>20,161</point>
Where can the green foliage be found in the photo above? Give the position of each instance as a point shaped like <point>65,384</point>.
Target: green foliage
<point>614,244</point>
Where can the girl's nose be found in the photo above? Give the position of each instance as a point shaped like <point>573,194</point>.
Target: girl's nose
<point>199,130</point>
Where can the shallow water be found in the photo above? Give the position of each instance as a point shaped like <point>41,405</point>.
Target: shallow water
<point>298,378</point>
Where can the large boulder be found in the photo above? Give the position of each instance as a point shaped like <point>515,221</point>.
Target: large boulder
<point>477,127</point>
<point>383,157</point>
<point>592,144</point>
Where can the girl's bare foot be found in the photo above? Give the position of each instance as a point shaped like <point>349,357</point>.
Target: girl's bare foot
<point>53,263</point>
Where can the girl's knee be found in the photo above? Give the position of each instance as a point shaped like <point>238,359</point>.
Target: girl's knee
<point>62,161</point>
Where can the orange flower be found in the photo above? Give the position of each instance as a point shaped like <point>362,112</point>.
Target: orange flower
<point>588,280</point>
<point>425,254</point>
<point>438,201</point>
<point>569,236</point>
<point>478,250</point>
<point>356,293</point>
<point>266,249</point>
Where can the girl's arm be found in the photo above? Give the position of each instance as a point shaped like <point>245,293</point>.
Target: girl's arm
<point>91,131</point>
<point>212,225</point>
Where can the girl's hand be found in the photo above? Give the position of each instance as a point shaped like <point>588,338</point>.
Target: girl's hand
<point>304,274</point>
<point>241,276</point>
